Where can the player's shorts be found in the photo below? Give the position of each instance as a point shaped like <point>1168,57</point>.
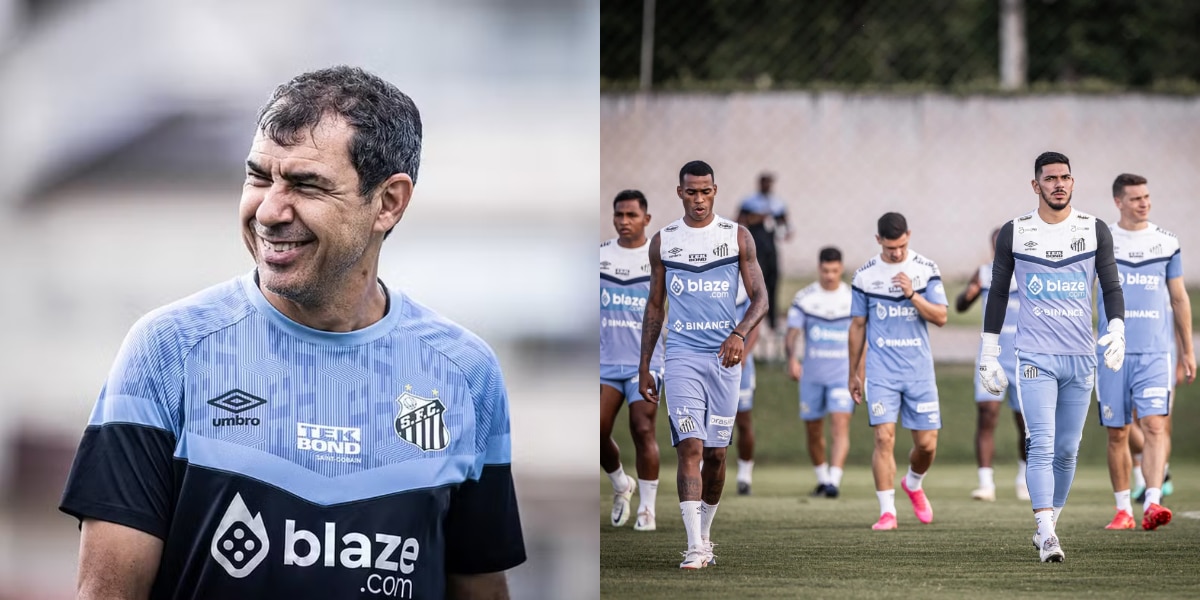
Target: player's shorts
<point>746,389</point>
<point>915,401</point>
<point>820,399</point>
<point>1143,383</point>
<point>1010,371</point>
<point>624,379</point>
<point>702,398</point>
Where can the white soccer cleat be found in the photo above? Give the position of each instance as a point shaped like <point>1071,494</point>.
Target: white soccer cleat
<point>645,521</point>
<point>708,547</point>
<point>696,557</point>
<point>620,510</point>
<point>1049,550</point>
<point>985,494</point>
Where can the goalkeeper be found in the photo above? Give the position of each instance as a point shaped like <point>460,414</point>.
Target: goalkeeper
<point>1055,254</point>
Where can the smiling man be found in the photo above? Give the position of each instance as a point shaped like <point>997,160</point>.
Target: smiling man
<point>303,431</point>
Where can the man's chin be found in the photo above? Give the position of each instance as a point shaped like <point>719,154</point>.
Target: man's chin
<point>1061,206</point>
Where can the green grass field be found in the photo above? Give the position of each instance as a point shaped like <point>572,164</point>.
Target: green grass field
<point>778,543</point>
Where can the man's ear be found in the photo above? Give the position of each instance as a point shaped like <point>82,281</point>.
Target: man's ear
<point>395,192</point>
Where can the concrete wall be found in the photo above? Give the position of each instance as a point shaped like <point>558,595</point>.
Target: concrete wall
<point>957,167</point>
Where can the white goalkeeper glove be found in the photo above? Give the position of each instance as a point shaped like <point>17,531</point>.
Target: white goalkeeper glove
<point>1114,340</point>
<point>991,374</point>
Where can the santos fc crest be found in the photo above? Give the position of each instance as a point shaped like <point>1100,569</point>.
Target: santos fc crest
<point>420,421</point>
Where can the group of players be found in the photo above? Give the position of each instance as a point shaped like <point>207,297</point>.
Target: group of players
<point>1037,344</point>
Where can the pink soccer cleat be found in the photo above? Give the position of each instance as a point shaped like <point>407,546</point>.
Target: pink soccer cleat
<point>921,506</point>
<point>886,522</point>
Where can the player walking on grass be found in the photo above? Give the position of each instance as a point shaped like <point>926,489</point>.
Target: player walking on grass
<point>1151,275</point>
<point>1055,253</point>
<point>894,295</point>
<point>743,424</point>
<point>624,287</point>
<point>821,313</point>
<point>697,260</point>
<point>986,403</point>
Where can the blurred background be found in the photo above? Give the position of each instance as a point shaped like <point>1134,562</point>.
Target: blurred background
<point>125,129</point>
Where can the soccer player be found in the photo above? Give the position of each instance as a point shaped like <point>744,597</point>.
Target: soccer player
<point>697,260</point>
<point>986,403</point>
<point>1056,253</point>
<point>765,216</point>
<point>303,431</point>
<point>624,286</point>
<point>1151,275</point>
<point>743,424</point>
<point>894,295</point>
<point>821,312</point>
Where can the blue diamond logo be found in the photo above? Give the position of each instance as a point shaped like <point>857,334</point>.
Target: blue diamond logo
<point>237,401</point>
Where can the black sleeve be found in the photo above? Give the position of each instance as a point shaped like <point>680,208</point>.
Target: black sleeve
<point>1002,272</point>
<point>483,527</point>
<point>123,473</point>
<point>1106,272</point>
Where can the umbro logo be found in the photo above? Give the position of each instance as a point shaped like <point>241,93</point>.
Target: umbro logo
<point>236,402</point>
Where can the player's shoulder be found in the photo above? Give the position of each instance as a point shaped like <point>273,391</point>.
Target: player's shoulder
<point>867,267</point>
<point>725,224</point>
<point>924,263</point>
<point>1168,237</point>
<point>184,322</point>
<point>459,345</point>
<point>806,292</point>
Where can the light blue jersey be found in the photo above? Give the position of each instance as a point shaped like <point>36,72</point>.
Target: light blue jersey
<point>1146,259</point>
<point>624,288</point>
<point>824,317</point>
<point>896,334</point>
<point>702,273</point>
<point>1055,268</point>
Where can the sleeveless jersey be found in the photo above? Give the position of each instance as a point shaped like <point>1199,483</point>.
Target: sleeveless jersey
<point>1008,333</point>
<point>624,288</point>
<point>825,318</point>
<point>1055,269</point>
<point>896,334</point>
<point>1146,259</point>
<point>279,461</point>
<point>702,272</point>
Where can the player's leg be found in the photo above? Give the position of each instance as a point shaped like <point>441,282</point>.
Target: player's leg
<point>1037,391</point>
<point>744,428</point>
<point>770,270</point>
<point>840,407</point>
<point>987,412</point>
<point>812,412</point>
<point>1019,422</point>
<point>920,411</point>
<point>641,427</point>
<point>723,384</point>
<point>1151,391</point>
<point>684,386</point>
<point>1137,442</point>
<point>611,400</point>
<point>1112,395</point>
<point>1070,415</point>
<point>883,400</point>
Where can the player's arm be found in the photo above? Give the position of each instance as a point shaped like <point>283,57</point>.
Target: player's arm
<point>968,296</point>
<point>1181,306</point>
<point>116,562</point>
<point>795,369</point>
<point>756,288</point>
<point>652,320</point>
<point>931,312</point>
<point>485,586</point>
<point>752,340</point>
<point>855,344</point>
<point>1106,272</point>
<point>1002,272</point>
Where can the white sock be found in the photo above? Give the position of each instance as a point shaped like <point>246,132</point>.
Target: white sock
<point>887,501</point>
<point>822,471</point>
<point>1056,512</point>
<point>1139,480</point>
<point>835,476</point>
<point>619,480</point>
<point>1045,523</point>
<point>1123,502</point>
<point>745,470</point>
<point>913,480</point>
<point>987,478</point>
<point>691,521</point>
<point>649,494</point>
<point>707,512</point>
<point>1153,496</point>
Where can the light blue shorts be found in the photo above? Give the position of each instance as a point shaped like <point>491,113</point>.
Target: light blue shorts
<point>702,398</point>
<point>1144,383</point>
<point>624,379</point>
<point>915,401</point>
<point>820,399</point>
<point>746,389</point>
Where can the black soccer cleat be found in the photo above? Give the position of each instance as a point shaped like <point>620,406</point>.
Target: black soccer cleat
<point>820,491</point>
<point>743,488</point>
<point>831,491</point>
